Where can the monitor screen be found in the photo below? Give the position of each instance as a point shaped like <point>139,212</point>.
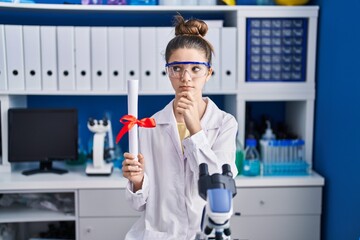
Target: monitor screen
<point>42,135</point>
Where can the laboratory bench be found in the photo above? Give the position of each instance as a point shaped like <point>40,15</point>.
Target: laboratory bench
<point>285,207</point>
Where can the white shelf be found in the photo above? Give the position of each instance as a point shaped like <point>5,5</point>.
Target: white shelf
<point>313,179</point>
<point>14,214</point>
<point>77,179</point>
<point>106,93</point>
<point>253,90</point>
<point>161,8</point>
<point>276,91</point>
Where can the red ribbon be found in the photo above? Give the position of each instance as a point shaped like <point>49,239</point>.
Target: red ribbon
<point>129,121</point>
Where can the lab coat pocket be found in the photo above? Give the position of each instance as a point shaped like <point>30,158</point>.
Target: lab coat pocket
<point>155,235</point>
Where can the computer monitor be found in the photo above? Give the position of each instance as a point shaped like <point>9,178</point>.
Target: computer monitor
<point>44,136</point>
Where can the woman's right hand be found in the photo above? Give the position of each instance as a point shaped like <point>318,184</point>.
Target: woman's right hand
<point>133,169</point>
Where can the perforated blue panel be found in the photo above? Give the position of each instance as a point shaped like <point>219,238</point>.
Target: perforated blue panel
<point>276,49</point>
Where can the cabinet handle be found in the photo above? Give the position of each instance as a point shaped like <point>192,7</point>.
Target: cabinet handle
<point>262,202</point>
<point>88,230</point>
<point>237,214</point>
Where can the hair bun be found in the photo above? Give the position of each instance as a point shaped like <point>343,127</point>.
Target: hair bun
<point>190,27</point>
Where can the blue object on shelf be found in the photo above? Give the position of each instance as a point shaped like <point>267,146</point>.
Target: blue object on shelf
<point>19,1</point>
<point>265,2</point>
<point>255,2</point>
<point>116,2</point>
<point>276,49</point>
<point>142,2</point>
<point>246,2</point>
<point>251,163</point>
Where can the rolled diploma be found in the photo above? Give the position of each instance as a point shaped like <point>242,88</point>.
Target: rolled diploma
<point>133,92</point>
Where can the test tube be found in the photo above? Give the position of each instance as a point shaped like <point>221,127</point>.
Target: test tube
<point>277,147</point>
<point>263,152</point>
<point>301,150</point>
<point>273,155</point>
<point>281,151</point>
<point>270,151</point>
<point>287,150</point>
<point>293,151</point>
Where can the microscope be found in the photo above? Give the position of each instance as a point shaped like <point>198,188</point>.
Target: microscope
<point>100,128</point>
<point>218,190</point>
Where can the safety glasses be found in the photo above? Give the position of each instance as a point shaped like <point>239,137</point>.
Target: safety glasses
<point>176,70</point>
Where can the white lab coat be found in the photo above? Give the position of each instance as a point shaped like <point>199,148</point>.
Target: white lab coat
<point>169,200</point>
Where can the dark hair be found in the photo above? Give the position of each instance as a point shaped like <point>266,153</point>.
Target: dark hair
<point>189,34</point>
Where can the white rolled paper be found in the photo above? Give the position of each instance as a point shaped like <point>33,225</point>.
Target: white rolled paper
<point>133,92</point>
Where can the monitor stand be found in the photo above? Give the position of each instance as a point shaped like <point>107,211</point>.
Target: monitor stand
<point>45,167</point>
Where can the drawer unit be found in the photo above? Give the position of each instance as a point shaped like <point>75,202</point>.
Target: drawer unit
<point>281,213</point>
<point>277,227</point>
<point>114,228</point>
<point>104,202</point>
<point>104,214</point>
<point>278,201</point>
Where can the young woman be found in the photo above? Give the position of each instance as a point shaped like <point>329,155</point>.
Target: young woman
<point>190,130</point>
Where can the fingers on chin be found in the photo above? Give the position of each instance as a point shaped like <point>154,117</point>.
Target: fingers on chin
<point>133,174</point>
<point>130,174</point>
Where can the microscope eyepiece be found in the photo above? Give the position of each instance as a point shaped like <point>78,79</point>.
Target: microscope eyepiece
<point>226,170</point>
<point>203,170</point>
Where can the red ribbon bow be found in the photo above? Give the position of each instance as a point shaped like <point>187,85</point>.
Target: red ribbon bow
<point>129,121</point>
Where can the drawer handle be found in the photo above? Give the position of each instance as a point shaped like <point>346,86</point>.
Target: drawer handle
<point>262,203</point>
<point>237,214</point>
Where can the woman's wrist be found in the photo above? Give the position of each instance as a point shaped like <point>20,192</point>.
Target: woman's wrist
<point>137,185</point>
<point>195,130</point>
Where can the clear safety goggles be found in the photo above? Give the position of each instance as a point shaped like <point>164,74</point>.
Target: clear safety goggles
<point>194,69</point>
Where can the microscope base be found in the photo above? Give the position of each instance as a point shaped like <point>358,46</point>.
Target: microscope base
<point>105,170</point>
